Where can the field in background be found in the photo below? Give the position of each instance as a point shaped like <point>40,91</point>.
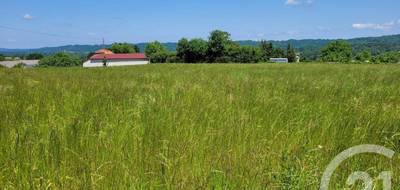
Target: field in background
<point>194,126</point>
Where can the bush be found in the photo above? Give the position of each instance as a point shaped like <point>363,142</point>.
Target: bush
<point>60,60</point>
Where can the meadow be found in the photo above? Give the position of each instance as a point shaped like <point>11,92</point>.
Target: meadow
<point>178,126</point>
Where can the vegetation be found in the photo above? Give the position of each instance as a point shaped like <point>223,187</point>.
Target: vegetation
<point>124,48</point>
<point>34,56</point>
<point>193,51</point>
<point>218,45</point>
<point>156,52</point>
<point>388,57</point>
<point>291,54</point>
<point>309,49</point>
<point>60,60</point>
<point>218,49</point>
<point>2,58</point>
<point>263,126</point>
<point>337,51</point>
<point>364,57</point>
<point>267,50</point>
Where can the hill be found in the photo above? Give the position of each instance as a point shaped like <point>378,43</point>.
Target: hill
<point>309,48</point>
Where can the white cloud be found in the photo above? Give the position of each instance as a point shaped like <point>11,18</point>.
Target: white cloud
<point>384,26</point>
<point>398,21</point>
<point>27,17</point>
<point>292,2</point>
<point>298,2</point>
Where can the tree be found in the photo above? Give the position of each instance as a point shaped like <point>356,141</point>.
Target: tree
<point>34,56</point>
<point>2,58</point>
<point>124,48</point>
<point>246,54</point>
<point>197,51</point>
<point>60,60</point>
<point>136,48</point>
<point>217,45</point>
<point>337,51</point>
<point>267,50</point>
<point>193,51</point>
<point>182,49</point>
<point>172,58</point>
<point>291,54</point>
<point>278,53</point>
<point>156,52</point>
<point>364,56</point>
<point>388,57</point>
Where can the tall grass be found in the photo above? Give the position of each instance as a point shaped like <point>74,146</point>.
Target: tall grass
<point>194,126</point>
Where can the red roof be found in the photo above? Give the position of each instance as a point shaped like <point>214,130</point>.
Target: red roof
<point>118,56</point>
<point>104,51</point>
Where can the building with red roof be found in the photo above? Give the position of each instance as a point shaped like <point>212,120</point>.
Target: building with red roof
<point>107,58</point>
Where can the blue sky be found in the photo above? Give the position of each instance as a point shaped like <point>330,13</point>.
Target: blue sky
<point>39,23</point>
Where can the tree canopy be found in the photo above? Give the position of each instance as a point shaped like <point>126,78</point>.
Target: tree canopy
<point>337,51</point>
<point>156,52</point>
<point>291,54</point>
<point>388,57</point>
<point>193,51</point>
<point>60,60</point>
<point>218,43</point>
<point>364,56</point>
<point>124,48</point>
<point>34,56</point>
<point>267,50</point>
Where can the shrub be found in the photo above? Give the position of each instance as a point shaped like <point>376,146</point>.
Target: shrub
<point>60,60</point>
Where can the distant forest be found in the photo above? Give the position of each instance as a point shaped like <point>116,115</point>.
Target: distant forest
<point>309,49</point>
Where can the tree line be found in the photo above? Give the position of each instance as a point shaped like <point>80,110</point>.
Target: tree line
<point>220,48</point>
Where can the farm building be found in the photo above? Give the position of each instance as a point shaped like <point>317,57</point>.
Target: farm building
<point>279,60</point>
<point>111,59</point>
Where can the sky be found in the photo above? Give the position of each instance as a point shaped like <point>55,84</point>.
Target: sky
<point>47,23</point>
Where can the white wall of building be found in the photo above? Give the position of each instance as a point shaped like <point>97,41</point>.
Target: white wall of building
<point>114,63</point>
<point>28,63</point>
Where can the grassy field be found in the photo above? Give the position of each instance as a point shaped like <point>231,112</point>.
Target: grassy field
<point>262,126</point>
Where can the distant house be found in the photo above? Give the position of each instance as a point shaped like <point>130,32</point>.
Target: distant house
<point>111,59</point>
<point>279,60</point>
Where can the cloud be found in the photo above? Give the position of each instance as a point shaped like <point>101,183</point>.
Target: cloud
<point>292,2</point>
<point>91,34</point>
<point>398,21</point>
<point>298,2</point>
<point>27,17</point>
<point>372,26</point>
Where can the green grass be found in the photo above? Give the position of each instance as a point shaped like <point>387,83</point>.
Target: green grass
<point>263,126</point>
